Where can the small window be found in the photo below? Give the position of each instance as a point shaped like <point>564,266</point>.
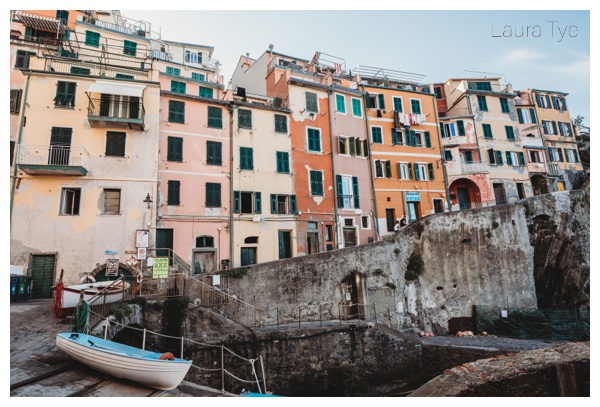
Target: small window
<point>23,59</point>
<point>247,256</point>
<point>312,104</point>
<point>245,119</point>
<point>340,103</point>
<point>176,111</point>
<point>213,195</point>
<point>198,77</point>
<point>63,16</point>
<point>173,71</point>
<point>376,135</point>
<point>123,76</point>
<point>504,105</point>
<point>314,139</point>
<point>70,201</point>
<point>129,48</point>
<point>215,117</point>
<point>397,104</point>
<point>487,131</point>
<point>175,149</point>
<point>178,87</point>
<point>316,183</point>
<point>251,240</point>
<point>115,144</point>
<point>78,70</point>
<point>415,106</point>
<point>510,133</point>
<point>246,158</point>
<point>365,222</point>
<point>447,155</point>
<point>12,151</point>
<point>205,92</point>
<point>280,123</point>
<point>15,100</point>
<point>283,162</point>
<point>92,39</point>
<point>214,153</point>
<point>482,103</point>
<point>173,192</point>
<point>356,107</point>
<point>112,201</point>
<point>205,241</point>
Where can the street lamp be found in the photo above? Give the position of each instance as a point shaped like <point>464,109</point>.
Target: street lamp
<point>148,200</point>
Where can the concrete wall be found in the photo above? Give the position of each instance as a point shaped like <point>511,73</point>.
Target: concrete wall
<point>481,256</point>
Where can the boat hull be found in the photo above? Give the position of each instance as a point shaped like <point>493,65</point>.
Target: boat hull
<point>72,293</point>
<point>124,361</point>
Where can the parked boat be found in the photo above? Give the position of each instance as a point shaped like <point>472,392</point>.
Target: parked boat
<point>161,371</point>
<point>114,291</point>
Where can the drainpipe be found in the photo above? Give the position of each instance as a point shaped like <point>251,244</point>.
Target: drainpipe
<point>14,175</point>
<point>334,181</point>
<point>475,129</point>
<point>437,121</point>
<point>231,247</point>
<point>371,164</point>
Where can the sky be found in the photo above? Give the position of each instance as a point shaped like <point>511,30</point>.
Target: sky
<point>539,49</point>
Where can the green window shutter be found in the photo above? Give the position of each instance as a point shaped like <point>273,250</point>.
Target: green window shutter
<point>237,203</point>
<point>415,106</point>
<point>508,158</point>
<point>427,140</point>
<point>246,158</point>
<point>340,102</point>
<point>417,175</point>
<point>205,92</point>
<point>398,104</point>
<point>312,104</point>
<point>487,131</point>
<point>316,183</point>
<point>338,180</point>
<point>560,155</point>
<point>173,192</point>
<point>213,195</point>
<point>177,86</point>
<point>499,160</point>
<point>521,158</point>
<point>447,155</point>
<point>273,203</point>
<point>198,77</point>
<point>378,170</point>
<point>520,115</point>
<point>510,133</point>
<point>442,131</point>
<point>408,138</point>
<point>394,137</point>
<point>414,137</point>
<point>92,39</point>
<point>280,123</point>
<point>504,105</point>
<point>430,171</point>
<point>174,149</point>
<point>129,48</point>
<point>245,119</point>
<point>293,204</point>
<point>215,117</point>
<point>482,103</point>
<point>355,192</point>
<point>314,140</point>
<point>388,169</point>
<point>176,111</point>
<point>213,153</point>
<point>283,164</point>
<point>461,127</point>
<point>410,170</point>
<point>356,110</point>
<point>257,203</point>
<point>381,101</point>
<point>533,118</point>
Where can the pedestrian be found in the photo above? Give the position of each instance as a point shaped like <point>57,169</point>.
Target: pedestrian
<point>397,227</point>
<point>403,221</point>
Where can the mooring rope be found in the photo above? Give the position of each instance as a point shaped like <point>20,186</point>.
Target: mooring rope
<point>79,324</point>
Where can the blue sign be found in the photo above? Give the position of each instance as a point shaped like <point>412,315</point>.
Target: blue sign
<point>111,252</point>
<point>413,197</point>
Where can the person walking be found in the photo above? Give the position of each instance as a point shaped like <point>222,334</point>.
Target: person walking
<point>403,221</point>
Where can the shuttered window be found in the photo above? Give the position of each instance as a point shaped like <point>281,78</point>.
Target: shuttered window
<point>245,119</point>
<point>283,161</point>
<point>460,125</point>
<point>376,135</point>
<point>340,103</point>
<point>397,104</point>
<point>112,201</point>
<point>173,192</point>
<point>482,103</point>
<point>316,183</point>
<point>92,39</point>
<point>129,48</point>
<point>314,139</point>
<point>198,77</point>
<point>15,100</point>
<point>510,133</point>
<point>205,92</point>
<point>215,117</point>
<point>176,111</point>
<point>487,131</point>
<point>246,158</point>
<point>175,149</point>
<point>415,106</point>
<point>356,107</point>
<point>213,195</point>
<point>178,87</point>
<point>115,144</point>
<point>173,71</point>
<point>214,153</point>
<point>311,102</point>
<point>280,123</point>
<point>504,105</point>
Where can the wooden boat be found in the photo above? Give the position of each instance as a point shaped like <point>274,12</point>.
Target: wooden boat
<point>114,292</point>
<point>149,368</point>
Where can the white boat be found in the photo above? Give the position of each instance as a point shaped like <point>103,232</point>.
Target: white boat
<point>114,292</point>
<point>149,368</point>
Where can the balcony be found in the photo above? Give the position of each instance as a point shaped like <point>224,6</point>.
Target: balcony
<point>117,113</point>
<point>553,170</point>
<point>539,168</point>
<point>474,168</point>
<point>52,160</point>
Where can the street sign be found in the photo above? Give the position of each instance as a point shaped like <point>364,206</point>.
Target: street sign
<point>141,253</point>
<point>161,267</point>
<point>413,197</point>
<point>141,238</point>
<point>112,267</point>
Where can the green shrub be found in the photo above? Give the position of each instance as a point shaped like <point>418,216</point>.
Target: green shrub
<point>414,267</point>
<point>120,311</point>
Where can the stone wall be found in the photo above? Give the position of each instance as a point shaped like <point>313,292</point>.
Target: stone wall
<point>489,256</point>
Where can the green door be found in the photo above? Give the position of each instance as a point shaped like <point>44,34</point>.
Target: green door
<point>42,271</point>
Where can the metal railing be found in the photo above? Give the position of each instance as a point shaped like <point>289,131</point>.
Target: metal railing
<point>73,66</point>
<point>52,155</point>
<point>116,109</point>
<point>485,204</point>
<point>553,170</point>
<point>100,304</point>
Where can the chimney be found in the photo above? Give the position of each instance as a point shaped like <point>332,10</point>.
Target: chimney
<point>271,48</point>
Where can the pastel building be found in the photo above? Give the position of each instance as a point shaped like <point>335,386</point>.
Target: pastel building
<point>500,145</point>
<point>405,149</point>
<point>554,119</point>
<point>86,149</point>
<point>193,202</point>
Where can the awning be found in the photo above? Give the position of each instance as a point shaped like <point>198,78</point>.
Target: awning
<point>40,22</point>
<point>112,88</point>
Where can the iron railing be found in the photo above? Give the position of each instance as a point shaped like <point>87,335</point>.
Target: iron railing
<point>128,108</point>
<point>553,170</point>
<point>52,155</point>
<point>100,306</point>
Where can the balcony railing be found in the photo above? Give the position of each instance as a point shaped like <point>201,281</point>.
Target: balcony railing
<point>45,160</point>
<point>553,170</point>
<point>473,168</point>
<point>345,201</point>
<point>114,112</point>
<point>74,66</point>
<point>485,204</point>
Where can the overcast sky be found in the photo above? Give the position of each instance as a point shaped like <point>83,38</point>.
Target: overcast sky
<point>552,54</point>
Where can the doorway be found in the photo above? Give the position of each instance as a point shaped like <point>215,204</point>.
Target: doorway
<point>413,211</point>
<point>42,272</point>
<point>499,194</point>
<point>285,244</point>
<point>464,200</point>
<point>520,190</point>
<point>349,236</point>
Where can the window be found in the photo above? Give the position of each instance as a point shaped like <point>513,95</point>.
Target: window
<point>213,195</point>
<point>247,256</point>
<point>347,190</point>
<point>280,123</point>
<point>115,144</point>
<point>511,158</point>
<point>176,111</point>
<point>365,222</point>
<point>549,127</point>
<point>205,241</point>
<point>244,119</point>
<point>510,133</point>
<point>380,101</point>
<point>559,103</point>
<point>198,77</point>
<point>15,100</point>
<point>526,116</point>
<point>173,188</point>
<point>535,156</point>
<point>356,107</point>
<point>213,153</point>
<point>375,101</point>
<point>246,158</point>
<point>92,39</point>
<point>448,155</point>
<point>193,57</point>
<point>487,131</point>
<point>480,86</point>
<point>397,137</point>
<point>491,156</point>
<point>173,71</point>
<point>418,139</point>
<point>572,156</point>
<point>383,168</point>
<point>521,159</point>
<point>556,154</point>
<point>340,103</point>
<point>215,117</point>
<point>397,103</point>
<point>504,105</point>
<point>314,139</point>
<point>78,70</point>
<point>60,145</point>
<point>23,59</point>
<point>175,149</point>
<point>565,129</point>
<point>65,94</point>
<point>404,171</point>
<point>177,86</point>
<point>123,76</point>
<point>423,172</point>
<point>70,201</point>
<point>316,183</point>
<point>312,104</point>
<point>482,103</point>
<point>247,202</point>
<point>415,106</point>
<point>112,201</point>
<point>283,204</point>
<point>283,161</point>
<point>205,92</point>
<point>63,16</point>
<point>129,48</point>
<point>460,125</point>
<point>438,92</point>
<point>448,130</point>
<point>376,135</point>
<point>543,101</point>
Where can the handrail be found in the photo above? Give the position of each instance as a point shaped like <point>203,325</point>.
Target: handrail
<point>102,292</point>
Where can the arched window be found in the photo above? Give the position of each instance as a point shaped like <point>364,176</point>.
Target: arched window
<point>251,239</point>
<point>205,241</point>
